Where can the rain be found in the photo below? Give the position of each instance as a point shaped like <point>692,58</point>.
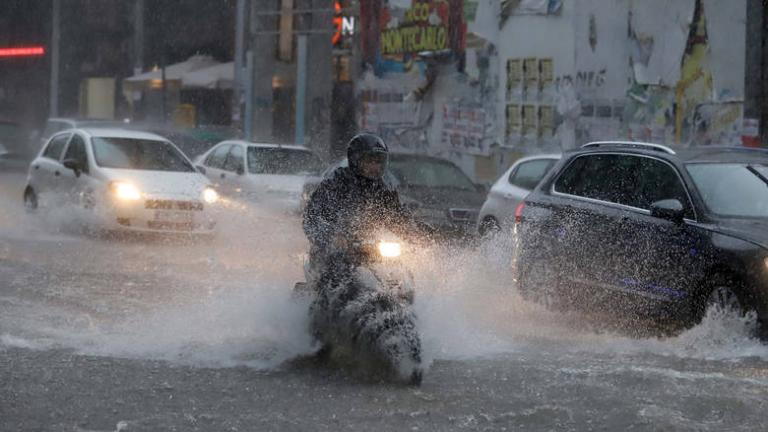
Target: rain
<point>567,231</point>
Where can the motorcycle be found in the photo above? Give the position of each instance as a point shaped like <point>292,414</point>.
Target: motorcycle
<point>365,308</point>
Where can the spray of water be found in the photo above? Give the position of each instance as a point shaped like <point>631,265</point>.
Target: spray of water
<point>228,300</point>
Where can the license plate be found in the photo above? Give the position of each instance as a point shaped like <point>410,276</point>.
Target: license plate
<point>173,216</point>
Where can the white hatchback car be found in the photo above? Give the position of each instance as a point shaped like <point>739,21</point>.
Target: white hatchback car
<point>271,174</point>
<point>130,180</point>
<point>511,189</point>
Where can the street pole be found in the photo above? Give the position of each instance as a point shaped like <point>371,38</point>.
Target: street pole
<point>55,37</point>
<point>248,123</point>
<point>754,73</point>
<point>262,47</point>
<point>301,88</point>
<point>163,90</point>
<point>138,37</point>
<point>237,85</point>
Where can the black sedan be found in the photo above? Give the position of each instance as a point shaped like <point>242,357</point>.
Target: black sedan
<point>641,231</point>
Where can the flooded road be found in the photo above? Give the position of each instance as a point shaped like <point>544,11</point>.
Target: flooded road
<point>146,334</point>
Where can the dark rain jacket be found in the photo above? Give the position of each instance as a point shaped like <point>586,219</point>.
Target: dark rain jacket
<point>352,206</point>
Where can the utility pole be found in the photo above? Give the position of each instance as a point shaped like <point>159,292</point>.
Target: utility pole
<point>263,51</point>
<point>237,85</point>
<point>318,16</point>
<point>301,89</point>
<point>138,37</point>
<point>756,79</point>
<point>55,38</point>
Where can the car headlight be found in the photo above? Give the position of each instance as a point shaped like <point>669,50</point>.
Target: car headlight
<point>125,191</point>
<point>390,249</point>
<point>210,195</point>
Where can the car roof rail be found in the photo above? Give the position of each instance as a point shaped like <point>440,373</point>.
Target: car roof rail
<point>640,145</point>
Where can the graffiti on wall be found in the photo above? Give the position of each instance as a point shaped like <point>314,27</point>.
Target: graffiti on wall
<point>464,129</point>
<point>584,79</point>
<point>717,124</point>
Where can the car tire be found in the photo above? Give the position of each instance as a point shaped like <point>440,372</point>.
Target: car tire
<point>722,296</point>
<point>489,226</point>
<point>727,298</point>
<point>30,199</point>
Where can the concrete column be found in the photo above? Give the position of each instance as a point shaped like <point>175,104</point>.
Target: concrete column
<point>320,71</point>
<point>756,79</point>
<point>264,48</point>
<point>55,40</point>
<point>138,37</point>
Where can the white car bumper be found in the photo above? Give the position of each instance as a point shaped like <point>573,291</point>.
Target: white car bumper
<point>161,214</point>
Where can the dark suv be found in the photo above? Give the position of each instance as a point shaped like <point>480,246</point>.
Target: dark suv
<point>641,231</point>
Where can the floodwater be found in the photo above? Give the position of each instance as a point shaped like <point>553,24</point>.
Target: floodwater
<point>138,333</point>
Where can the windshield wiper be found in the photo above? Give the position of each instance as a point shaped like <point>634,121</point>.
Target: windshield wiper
<point>757,174</point>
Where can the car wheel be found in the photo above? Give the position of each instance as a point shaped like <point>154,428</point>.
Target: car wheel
<point>727,299</point>
<point>489,226</point>
<point>30,199</point>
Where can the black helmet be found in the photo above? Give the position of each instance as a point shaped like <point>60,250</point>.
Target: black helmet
<point>363,146</point>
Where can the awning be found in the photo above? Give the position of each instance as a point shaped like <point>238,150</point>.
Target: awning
<point>220,76</point>
<point>173,72</point>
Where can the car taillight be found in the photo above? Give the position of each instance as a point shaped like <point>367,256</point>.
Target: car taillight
<point>519,213</point>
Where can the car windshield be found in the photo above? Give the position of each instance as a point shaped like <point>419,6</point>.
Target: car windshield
<point>273,160</point>
<point>732,189</point>
<point>429,173</point>
<point>139,154</point>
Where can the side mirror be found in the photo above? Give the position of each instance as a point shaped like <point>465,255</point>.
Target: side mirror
<point>481,187</point>
<point>73,165</point>
<point>200,169</point>
<point>670,209</point>
<point>240,171</point>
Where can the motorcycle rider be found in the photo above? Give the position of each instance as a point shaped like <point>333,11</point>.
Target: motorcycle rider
<point>353,199</point>
<point>350,205</point>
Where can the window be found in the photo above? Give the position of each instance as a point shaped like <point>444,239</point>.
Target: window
<point>56,146</point>
<point>234,159</point>
<point>528,174</point>
<point>659,181</point>
<point>217,158</point>
<point>732,189</point>
<point>139,154</point>
<point>634,181</point>
<point>269,160</point>
<point>76,151</point>
<point>429,173</point>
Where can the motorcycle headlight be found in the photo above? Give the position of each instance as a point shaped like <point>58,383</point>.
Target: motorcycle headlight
<point>125,191</point>
<point>389,249</point>
<point>210,195</point>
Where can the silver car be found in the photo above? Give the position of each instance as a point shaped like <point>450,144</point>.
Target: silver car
<point>268,174</point>
<point>510,189</point>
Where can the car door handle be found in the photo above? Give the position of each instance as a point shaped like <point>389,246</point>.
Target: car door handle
<point>56,173</point>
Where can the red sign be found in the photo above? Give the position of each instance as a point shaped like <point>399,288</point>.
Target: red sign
<point>337,23</point>
<point>22,51</point>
